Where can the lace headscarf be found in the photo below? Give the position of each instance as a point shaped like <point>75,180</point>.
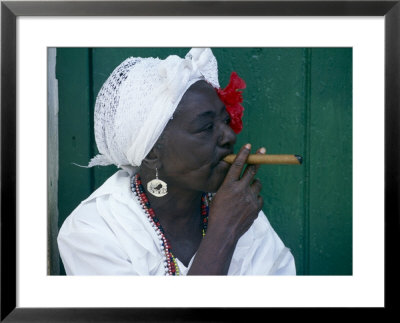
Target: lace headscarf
<point>139,98</point>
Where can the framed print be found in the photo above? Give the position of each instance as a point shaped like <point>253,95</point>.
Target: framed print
<point>31,284</point>
<point>288,108</point>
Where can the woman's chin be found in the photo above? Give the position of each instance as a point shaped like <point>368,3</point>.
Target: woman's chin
<point>223,165</point>
<point>218,176</point>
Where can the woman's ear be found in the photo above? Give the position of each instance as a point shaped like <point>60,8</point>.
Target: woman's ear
<point>152,160</point>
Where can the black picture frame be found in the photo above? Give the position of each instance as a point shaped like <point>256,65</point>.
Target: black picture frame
<point>10,10</point>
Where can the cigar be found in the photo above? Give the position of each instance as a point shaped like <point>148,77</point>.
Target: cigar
<point>258,159</point>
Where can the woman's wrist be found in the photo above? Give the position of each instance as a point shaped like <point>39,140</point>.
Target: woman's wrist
<point>214,254</point>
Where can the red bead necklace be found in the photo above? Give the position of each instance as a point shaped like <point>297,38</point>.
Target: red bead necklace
<point>170,264</point>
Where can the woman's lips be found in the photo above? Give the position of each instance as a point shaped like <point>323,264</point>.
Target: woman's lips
<point>221,161</point>
<point>224,163</point>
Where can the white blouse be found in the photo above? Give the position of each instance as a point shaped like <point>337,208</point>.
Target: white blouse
<point>109,234</point>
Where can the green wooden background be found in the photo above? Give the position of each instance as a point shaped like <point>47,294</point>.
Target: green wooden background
<point>297,100</point>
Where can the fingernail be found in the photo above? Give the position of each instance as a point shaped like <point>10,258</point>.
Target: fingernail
<point>262,150</point>
<point>247,146</point>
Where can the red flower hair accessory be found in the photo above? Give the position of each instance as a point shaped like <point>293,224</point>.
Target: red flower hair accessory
<point>232,97</point>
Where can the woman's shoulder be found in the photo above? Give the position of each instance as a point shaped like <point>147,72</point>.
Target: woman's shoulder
<point>84,218</point>
<point>88,214</point>
<point>109,228</point>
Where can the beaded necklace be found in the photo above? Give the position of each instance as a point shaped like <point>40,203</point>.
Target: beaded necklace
<point>170,263</point>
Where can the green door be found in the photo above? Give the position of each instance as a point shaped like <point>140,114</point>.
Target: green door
<point>297,101</point>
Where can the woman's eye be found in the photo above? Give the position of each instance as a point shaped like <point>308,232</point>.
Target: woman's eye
<point>210,126</point>
<point>228,120</point>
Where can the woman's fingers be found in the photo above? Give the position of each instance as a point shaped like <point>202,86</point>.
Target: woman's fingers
<point>260,202</point>
<point>237,166</point>
<point>256,186</point>
<point>240,162</point>
<point>251,170</point>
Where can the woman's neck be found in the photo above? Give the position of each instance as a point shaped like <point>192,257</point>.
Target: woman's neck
<point>179,209</point>
<point>179,213</point>
<point>177,206</point>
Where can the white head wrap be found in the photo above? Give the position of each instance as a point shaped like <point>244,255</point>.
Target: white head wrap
<point>139,98</point>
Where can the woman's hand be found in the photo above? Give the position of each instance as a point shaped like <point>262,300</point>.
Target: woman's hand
<point>232,211</point>
<point>237,202</point>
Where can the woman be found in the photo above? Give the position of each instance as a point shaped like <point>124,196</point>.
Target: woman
<point>168,126</point>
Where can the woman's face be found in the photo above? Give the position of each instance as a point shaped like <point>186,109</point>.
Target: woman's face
<point>196,140</point>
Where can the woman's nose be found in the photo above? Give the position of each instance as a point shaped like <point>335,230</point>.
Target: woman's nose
<point>227,136</point>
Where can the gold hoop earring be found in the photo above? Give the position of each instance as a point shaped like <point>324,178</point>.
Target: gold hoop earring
<point>157,187</point>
